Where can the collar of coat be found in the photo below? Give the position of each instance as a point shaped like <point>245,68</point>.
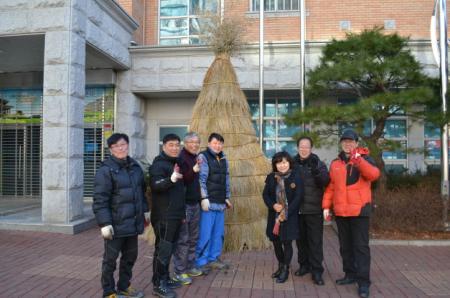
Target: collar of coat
<point>116,164</point>
<point>164,156</point>
<point>301,161</point>
<point>219,155</point>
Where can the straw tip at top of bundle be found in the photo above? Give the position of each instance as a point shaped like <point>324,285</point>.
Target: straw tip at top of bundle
<point>224,36</point>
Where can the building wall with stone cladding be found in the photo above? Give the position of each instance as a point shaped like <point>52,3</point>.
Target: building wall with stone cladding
<point>68,27</point>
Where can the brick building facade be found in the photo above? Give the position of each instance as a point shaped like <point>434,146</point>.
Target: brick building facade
<point>325,19</point>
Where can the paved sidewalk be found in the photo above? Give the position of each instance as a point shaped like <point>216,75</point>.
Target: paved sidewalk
<point>36,264</point>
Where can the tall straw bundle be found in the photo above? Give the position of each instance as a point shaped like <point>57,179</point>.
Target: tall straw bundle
<point>222,107</point>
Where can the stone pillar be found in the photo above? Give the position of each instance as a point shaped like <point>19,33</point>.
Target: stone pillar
<point>130,115</point>
<point>416,140</point>
<point>63,110</point>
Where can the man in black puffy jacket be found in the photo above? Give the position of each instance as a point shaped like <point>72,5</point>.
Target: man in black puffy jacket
<point>168,212</point>
<point>119,207</point>
<point>310,242</point>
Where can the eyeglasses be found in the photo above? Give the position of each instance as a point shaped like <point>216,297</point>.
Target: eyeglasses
<point>120,146</point>
<point>192,142</point>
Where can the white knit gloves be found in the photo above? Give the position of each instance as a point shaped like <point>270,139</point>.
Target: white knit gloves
<point>107,232</point>
<point>205,205</point>
<point>175,176</point>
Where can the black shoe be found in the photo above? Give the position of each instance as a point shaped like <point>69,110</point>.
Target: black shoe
<point>317,279</point>
<point>173,284</point>
<point>363,291</point>
<point>284,274</point>
<point>277,273</point>
<point>345,280</point>
<point>302,271</point>
<point>164,292</point>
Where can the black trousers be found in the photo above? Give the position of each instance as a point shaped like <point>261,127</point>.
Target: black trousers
<point>128,246</point>
<point>166,236</point>
<point>310,242</point>
<point>353,235</point>
<point>283,250</point>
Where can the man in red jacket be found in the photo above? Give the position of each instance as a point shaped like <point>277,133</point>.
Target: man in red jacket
<point>349,194</point>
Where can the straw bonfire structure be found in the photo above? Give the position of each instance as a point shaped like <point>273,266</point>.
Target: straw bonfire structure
<point>222,107</point>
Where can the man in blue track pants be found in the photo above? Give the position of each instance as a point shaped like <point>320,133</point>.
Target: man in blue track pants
<point>215,191</point>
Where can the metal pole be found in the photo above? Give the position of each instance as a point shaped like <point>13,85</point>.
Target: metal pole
<point>302,57</point>
<point>441,56</point>
<point>444,80</point>
<point>222,10</point>
<point>261,71</point>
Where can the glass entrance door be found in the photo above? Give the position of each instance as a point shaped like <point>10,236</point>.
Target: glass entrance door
<point>98,126</point>
<point>21,138</point>
<point>20,143</point>
<point>20,161</point>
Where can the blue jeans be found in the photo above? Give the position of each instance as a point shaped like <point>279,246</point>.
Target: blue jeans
<point>209,245</point>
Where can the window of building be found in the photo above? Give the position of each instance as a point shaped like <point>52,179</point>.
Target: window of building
<point>20,143</point>
<point>179,130</point>
<point>367,130</point>
<point>98,127</point>
<point>276,5</point>
<point>396,130</point>
<point>398,154</point>
<point>21,138</point>
<point>277,134</point>
<point>432,142</point>
<point>181,21</point>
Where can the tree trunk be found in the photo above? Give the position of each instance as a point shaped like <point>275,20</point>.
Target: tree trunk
<point>382,181</point>
<point>377,154</point>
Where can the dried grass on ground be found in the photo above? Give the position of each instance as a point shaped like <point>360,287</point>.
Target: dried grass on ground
<point>412,209</point>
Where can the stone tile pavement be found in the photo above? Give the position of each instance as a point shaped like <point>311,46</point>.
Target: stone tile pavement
<point>37,264</point>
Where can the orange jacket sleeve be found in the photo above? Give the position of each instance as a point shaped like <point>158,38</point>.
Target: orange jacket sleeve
<point>327,201</point>
<point>368,171</point>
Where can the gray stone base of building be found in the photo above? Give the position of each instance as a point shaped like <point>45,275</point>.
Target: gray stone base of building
<point>31,220</point>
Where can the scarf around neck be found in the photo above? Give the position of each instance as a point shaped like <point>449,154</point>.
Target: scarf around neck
<point>281,194</point>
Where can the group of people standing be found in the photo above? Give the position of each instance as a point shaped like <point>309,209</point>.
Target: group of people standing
<point>190,191</point>
<point>299,194</point>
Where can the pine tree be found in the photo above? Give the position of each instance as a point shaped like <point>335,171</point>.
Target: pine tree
<point>381,74</point>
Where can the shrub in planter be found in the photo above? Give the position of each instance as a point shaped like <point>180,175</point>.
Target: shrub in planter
<point>412,204</point>
<point>411,210</point>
